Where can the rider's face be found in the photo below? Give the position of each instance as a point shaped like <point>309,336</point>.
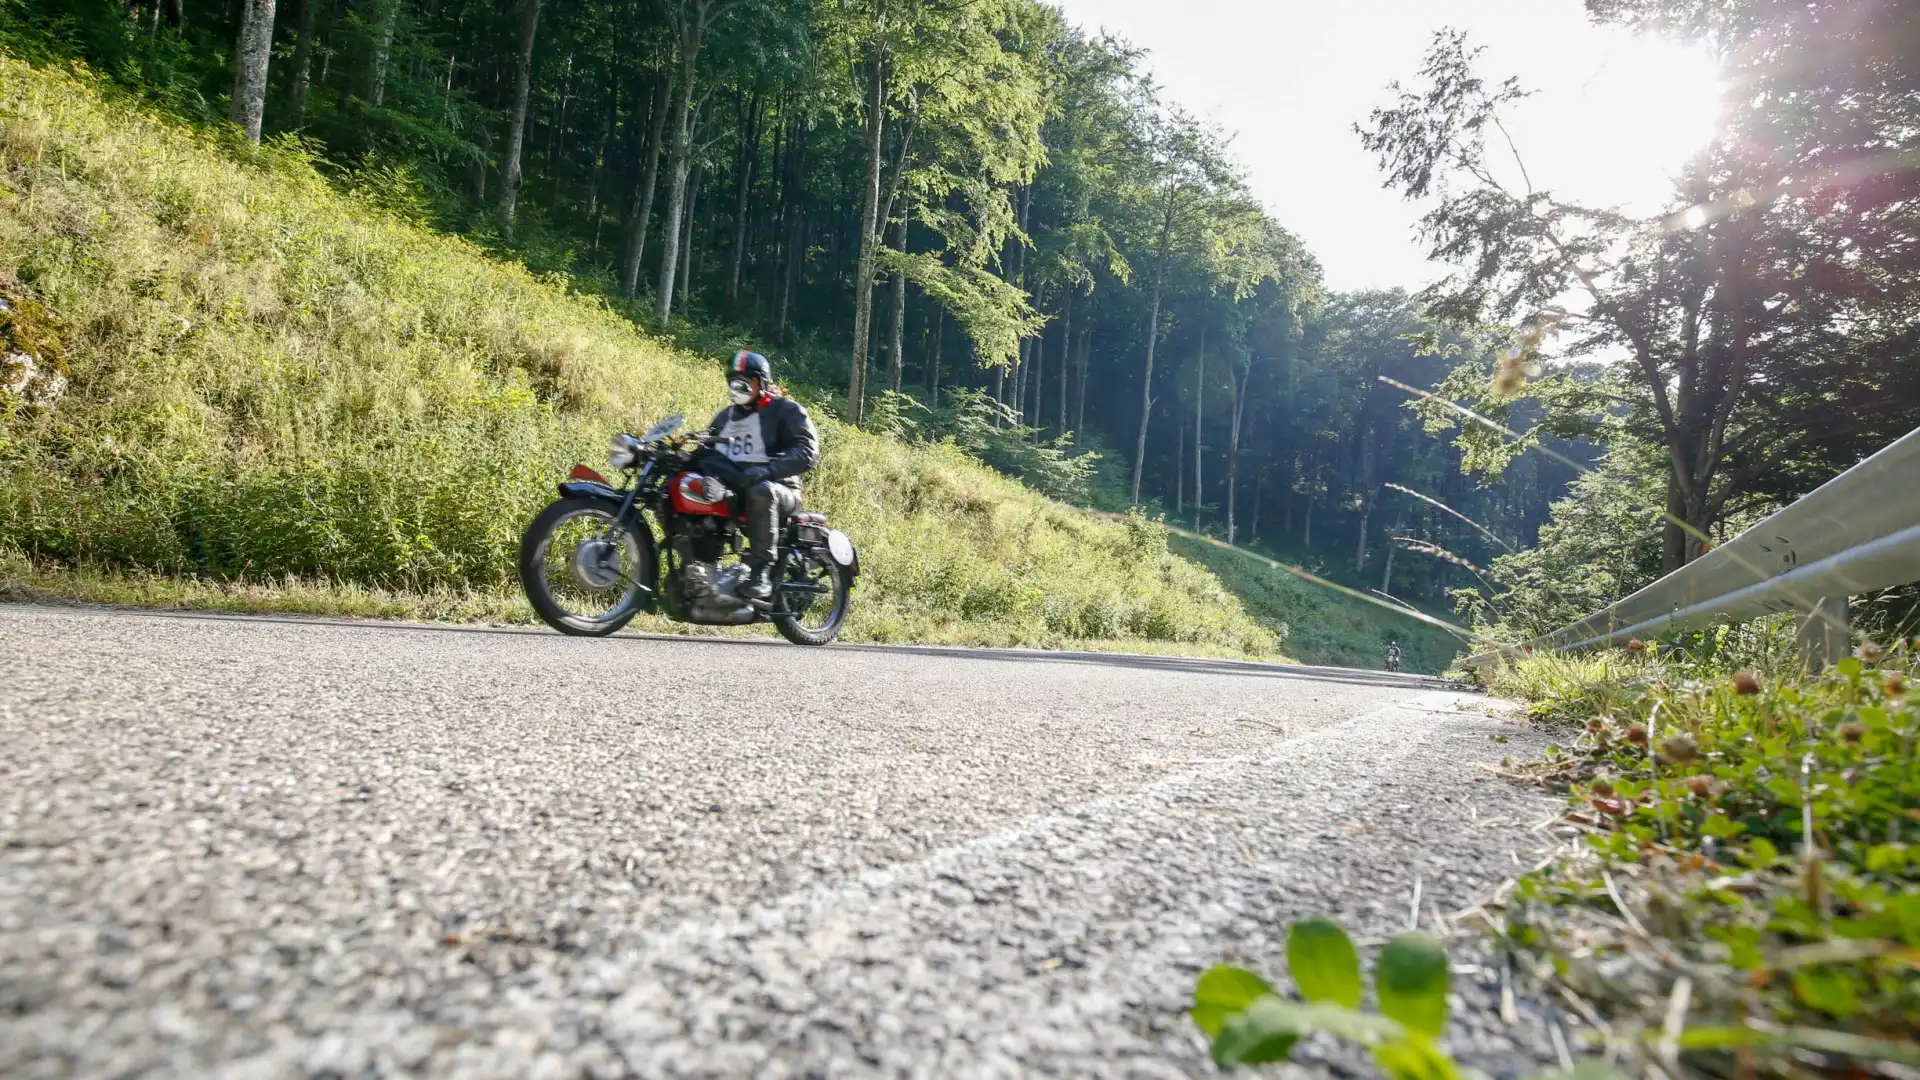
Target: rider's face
<point>743,390</point>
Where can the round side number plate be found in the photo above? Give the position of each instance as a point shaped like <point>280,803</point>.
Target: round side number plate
<point>840,547</point>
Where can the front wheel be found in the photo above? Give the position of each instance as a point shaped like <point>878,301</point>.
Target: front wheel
<point>585,574</point>
<point>814,592</point>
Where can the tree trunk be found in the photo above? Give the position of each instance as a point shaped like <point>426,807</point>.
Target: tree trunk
<point>793,211</point>
<point>1146,389</point>
<point>1360,548</point>
<point>1386,578</point>
<point>743,189</point>
<point>658,105</point>
<point>301,79</point>
<point>595,211</point>
<point>1180,470</point>
<point>1023,209</point>
<point>386,14</point>
<point>1086,361</point>
<point>899,346</point>
<point>1240,379</point>
<point>517,123</point>
<point>1259,485</point>
<point>1676,547</point>
<point>678,164</point>
<point>250,54</point>
<point>1199,421</point>
<point>1039,383</point>
<point>687,247</point>
<point>1306,530</point>
<point>869,226</point>
<point>1153,335</point>
<point>1066,355</point>
<point>1017,395</point>
<point>933,360</point>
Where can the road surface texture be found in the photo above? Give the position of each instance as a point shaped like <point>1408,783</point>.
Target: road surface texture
<point>283,847</point>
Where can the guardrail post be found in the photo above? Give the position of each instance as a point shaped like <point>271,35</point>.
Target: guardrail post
<point>1824,636</point>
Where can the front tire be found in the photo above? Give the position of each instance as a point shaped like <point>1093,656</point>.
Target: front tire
<point>583,575</point>
<point>815,618</point>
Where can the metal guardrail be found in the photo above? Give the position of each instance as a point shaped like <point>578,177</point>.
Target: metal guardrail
<point>1857,533</point>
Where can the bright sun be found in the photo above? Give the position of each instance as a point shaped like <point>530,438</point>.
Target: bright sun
<point>1633,122</point>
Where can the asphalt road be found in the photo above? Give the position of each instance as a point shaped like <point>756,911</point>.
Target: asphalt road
<point>280,847</point>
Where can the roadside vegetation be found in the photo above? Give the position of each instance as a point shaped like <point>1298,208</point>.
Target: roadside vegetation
<point>1743,898</point>
<point>1319,625</point>
<point>248,374</point>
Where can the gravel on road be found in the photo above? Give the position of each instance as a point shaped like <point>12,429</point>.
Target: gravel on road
<point>281,847</point>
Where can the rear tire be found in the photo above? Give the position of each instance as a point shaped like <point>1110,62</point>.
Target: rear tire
<point>538,577</point>
<point>815,625</point>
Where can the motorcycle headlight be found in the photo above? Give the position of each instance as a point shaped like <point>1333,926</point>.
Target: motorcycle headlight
<point>622,452</point>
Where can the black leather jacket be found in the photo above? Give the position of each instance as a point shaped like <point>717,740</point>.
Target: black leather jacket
<point>777,439</point>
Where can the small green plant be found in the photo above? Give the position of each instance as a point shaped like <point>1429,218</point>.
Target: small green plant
<point>1250,1023</point>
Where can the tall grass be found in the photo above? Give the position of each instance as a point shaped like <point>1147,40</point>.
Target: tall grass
<point>1744,897</point>
<point>1320,626</point>
<point>271,376</point>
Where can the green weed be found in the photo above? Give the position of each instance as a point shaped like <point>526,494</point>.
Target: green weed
<point>1745,898</point>
<point>1251,1023</point>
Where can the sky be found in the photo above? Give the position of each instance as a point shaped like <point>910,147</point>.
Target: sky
<point>1612,120</point>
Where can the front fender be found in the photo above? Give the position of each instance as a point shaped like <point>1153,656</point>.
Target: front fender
<point>614,500</point>
<point>587,489</point>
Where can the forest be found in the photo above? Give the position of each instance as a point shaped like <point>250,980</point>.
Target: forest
<point>978,222</point>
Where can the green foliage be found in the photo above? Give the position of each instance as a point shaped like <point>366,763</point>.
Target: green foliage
<point>1411,980</point>
<point>1249,1023</point>
<point>1739,386</point>
<point>1758,829</point>
<point>1223,992</point>
<point>1318,625</point>
<point>1323,962</point>
<point>271,377</point>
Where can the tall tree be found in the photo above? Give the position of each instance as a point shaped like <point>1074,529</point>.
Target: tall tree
<point>250,56</point>
<point>642,210</point>
<point>517,121</point>
<point>691,20</point>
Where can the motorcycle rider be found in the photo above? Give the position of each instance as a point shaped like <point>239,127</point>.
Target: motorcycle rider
<point>769,441</point>
<point>1393,654</point>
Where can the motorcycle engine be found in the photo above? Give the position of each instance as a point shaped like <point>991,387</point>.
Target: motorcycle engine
<point>709,591</point>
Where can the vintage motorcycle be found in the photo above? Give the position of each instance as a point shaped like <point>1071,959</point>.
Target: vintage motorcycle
<point>592,560</point>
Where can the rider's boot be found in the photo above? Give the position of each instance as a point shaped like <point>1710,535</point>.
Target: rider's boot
<point>757,585</point>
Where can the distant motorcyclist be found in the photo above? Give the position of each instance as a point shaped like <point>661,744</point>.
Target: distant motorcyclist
<point>1393,654</point>
<point>769,441</point>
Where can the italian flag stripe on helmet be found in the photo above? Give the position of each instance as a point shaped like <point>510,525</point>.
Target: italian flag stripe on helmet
<point>740,360</point>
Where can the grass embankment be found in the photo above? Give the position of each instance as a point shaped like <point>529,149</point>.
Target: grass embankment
<point>1745,896</point>
<point>268,379</point>
<point>1320,626</point>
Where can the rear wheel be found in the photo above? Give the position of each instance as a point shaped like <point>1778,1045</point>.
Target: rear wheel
<point>583,573</point>
<point>814,592</point>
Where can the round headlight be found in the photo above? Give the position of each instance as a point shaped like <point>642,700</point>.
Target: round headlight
<point>622,452</point>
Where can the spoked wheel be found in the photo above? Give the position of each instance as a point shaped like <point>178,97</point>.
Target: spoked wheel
<point>813,590</point>
<point>583,573</point>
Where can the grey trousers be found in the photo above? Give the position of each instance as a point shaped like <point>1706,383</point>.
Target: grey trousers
<point>766,503</point>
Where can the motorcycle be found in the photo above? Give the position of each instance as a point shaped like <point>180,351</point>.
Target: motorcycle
<point>604,552</point>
